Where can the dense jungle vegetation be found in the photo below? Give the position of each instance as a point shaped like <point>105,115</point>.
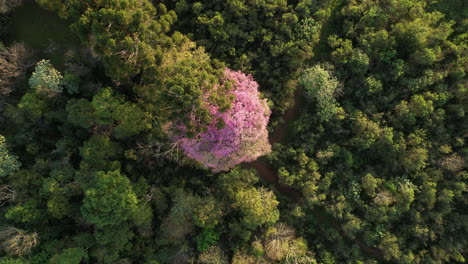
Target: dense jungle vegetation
<point>233,131</point>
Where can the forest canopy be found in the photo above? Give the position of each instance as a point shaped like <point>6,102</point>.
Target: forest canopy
<point>233,132</point>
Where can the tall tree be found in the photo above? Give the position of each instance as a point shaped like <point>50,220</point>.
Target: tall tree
<point>241,132</point>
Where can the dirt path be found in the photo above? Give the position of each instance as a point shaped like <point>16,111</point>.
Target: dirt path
<point>290,115</point>
<point>270,175</point>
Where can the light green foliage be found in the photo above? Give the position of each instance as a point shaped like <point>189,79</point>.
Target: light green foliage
<point>208,214</point>
<point>296,168</point>
<point>57,195</point>
<point>420,107</point>
<point>320,88</point>
<point>415,159</point>
<point>110,200</point>
<point>390,248</point>
<point>69,256</point>
<point>373,85</point>
<point>26,213</point>
<point>258,206</point>
<point>370,184</point>
<point>8,162</point>
<point>257,248</point>
<point>108,108</point>
<point>306,171</point>
<point>369,132</point>
<point>236,179</point>
<point>46,79</point>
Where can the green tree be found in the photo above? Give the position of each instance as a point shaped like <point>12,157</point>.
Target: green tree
<point>99,153</point>
<point>258,206</point>
<point>111,241</point>
<point>33,106</point>
<point>187,81</point>
<point>131,120</point>
<point>178,223</point>
<point>80,113</point>
<point>110,108</point>
<point>321,87</point>
<point>209,213</point>
<point>110,200</point>
<point>206,239</point>
<point>69,256</point>
<point>28,213</point>
<point>390,247</point>
<point>8,162</point>
<point>105,104</point>
<point>46,79</point>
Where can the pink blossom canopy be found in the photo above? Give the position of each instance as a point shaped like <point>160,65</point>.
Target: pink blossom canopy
<point>243,138</point>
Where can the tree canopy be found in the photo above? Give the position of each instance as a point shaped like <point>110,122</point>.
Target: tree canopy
<point>233,132</point>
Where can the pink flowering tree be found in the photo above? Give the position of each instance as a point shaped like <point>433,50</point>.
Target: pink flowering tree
<point>238,134</point>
